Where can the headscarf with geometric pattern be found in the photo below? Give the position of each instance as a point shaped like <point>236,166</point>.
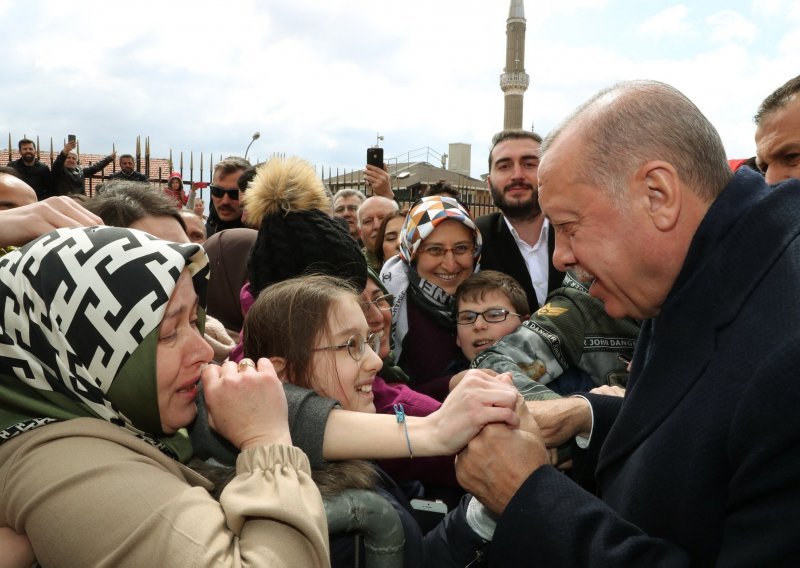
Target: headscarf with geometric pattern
<point>81,310</point>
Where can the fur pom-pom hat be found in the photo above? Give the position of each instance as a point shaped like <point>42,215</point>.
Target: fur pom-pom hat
<point>283,185</point>
<point>297,234</point>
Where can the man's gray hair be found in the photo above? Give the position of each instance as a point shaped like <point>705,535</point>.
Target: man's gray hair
<point>634,122</point>
<point>345,193</point>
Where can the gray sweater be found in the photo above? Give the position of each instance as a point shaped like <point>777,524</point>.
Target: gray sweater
<point>308,414</point>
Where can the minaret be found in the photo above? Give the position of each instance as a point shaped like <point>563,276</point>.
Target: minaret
<point>514,81</point>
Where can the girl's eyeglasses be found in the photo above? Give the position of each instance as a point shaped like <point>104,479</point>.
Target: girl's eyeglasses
<point>355,345</point>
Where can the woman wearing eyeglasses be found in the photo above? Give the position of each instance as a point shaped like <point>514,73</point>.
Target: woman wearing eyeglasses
<point>439,249</point>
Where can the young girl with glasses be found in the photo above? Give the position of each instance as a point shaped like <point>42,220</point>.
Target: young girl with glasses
<point>314,331</point>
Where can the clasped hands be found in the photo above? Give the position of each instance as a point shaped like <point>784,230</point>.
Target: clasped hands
<point>500,458</point>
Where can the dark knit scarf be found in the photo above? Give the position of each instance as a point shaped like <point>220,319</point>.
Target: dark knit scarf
<point>434,302</point>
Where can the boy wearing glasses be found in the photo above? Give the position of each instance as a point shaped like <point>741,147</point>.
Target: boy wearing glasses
<point>570,344</point>
<point>490,305</point>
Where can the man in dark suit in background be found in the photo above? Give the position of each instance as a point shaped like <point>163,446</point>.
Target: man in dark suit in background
<point>697,464</point>
<point>518,241</point>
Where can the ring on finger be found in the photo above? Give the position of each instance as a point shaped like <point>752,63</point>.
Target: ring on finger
<point>245,363</point>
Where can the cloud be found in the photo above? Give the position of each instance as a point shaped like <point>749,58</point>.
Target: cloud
<point>730,26</point>
<point>671,21</point>
<point>320,78</point>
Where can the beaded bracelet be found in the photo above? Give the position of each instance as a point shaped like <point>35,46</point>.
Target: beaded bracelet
<point>400,413</point>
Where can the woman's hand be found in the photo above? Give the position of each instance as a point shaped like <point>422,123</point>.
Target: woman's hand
<point>458,377</point>
<point>477,400</point>
<point>23,224</point>
<point>246,404</point>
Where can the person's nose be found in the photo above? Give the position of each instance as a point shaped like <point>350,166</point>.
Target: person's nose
<point>449,261</point>
<point>201,351</point>
<point>776,173</point>
<point>517,173</point>
<point>371,362</point>
<point>563,257</point>
<point>479,323</point>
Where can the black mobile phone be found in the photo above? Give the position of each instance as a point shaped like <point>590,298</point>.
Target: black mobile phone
<point>375,157</point>
<point>70,138</point>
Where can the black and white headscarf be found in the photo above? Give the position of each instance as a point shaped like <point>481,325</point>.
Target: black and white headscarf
<point>80,311</point>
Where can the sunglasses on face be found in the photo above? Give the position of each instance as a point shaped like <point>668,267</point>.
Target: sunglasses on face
<point>219,192</point>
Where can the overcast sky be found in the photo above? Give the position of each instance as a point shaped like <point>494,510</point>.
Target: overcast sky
<point>320,78</point>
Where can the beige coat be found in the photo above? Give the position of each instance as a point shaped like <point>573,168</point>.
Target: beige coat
<point>88,493</point>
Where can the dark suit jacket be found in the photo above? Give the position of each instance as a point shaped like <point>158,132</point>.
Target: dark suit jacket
<point>700,464</point>
<point>500,252</point>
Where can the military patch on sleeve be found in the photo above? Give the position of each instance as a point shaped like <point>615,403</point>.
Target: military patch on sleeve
<point>550,311</point>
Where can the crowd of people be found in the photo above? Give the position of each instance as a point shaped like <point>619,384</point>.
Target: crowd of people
<point>609,356</point>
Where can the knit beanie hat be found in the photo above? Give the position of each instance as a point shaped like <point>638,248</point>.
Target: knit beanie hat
<point>427,214</point>
<point>297,234</point>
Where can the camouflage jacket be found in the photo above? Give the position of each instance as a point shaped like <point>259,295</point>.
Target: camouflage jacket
<point>572,329</point>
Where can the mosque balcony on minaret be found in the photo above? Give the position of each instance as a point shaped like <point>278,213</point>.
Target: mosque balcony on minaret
<point>514,81</point>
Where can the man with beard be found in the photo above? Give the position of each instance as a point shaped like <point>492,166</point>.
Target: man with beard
<point>31,170</point>
<point>126,171</point>
<point>518,241</point>
<point>226,208</point>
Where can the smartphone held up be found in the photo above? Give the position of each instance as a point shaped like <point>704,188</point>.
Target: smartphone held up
<point>375,157</point>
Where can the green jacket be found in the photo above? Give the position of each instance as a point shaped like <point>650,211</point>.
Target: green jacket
<point>572,329</point>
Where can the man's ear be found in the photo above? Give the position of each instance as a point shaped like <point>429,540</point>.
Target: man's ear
<point>664,193</point>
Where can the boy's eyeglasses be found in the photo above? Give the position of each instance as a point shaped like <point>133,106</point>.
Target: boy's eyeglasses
<point>355,345</point>
<point>218,192</point>
<point>383,303</point>
<point>492,315</point>
<point>458,250</point>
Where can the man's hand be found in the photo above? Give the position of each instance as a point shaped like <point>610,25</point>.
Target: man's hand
<point>608,390</point>
<point>379,180</point>
<point>23,224</point>
<point>562,419</point>
<point>498,460</point>
<point>69,146</point>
